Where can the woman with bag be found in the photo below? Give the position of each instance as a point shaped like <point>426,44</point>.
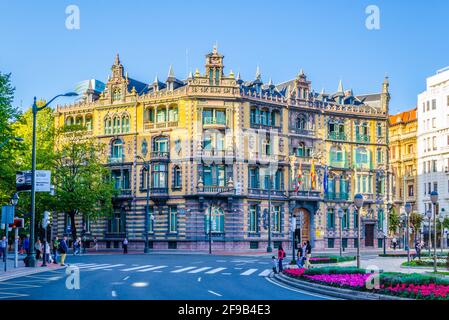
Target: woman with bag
<point>281,256</point>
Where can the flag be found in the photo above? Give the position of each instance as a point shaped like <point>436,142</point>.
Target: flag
<point>325,179</point>
<point>312,174</point>
<point>299,179</point>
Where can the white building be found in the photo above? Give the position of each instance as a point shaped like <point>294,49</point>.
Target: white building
<point>433,141</point>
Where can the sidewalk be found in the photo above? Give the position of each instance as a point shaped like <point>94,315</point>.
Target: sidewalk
<point>21,270</point>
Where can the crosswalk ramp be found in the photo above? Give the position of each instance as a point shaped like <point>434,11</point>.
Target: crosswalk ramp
<point>207,270</point>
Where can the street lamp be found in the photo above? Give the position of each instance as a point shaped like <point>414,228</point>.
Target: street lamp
<point>434,199</point>
<point>429,224</point>
<point>36,109</point>
<point>340,215</point>
<point>408,210</point>
<point>358,202</point>
<point>441,218</point>
<point>146,165</point>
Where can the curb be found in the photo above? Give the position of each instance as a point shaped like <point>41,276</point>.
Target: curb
<point>27,272</point>
<point>341,293</point>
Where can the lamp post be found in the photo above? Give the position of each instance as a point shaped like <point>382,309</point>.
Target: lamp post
<point>36,109</point>
<point>45,221</point>
<point>441,218</point>
<point>146,165</point>
<point>340,215</point>
<point>408,209</point>
<point>429,222</point>
<point>358,202</point>
<point>434,199</point>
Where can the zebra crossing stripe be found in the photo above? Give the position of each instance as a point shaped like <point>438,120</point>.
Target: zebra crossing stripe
<point>248,272</point>
<point>106,266</point>
<point>92,265</point>
<point>137,268</point>
<point>265,273</point>
<point>200,270</point>
<point>215,270</point>
<point>153,268</point>
<point>183,269</point>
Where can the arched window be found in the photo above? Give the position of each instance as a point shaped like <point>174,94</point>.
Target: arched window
<point>337,157</point>
<point>116,125</point>
<point>68,121</point>
<point>361,156</point>
<point>125,124</point>
<point>144,178</point>
<point>160,144</point>
<point>107,126</point>
<point>89,122</point>
<point>176,177</point>
<point>173,114</point>
<point>217,220</point>
<point>159,174</point>
<point>161,114</point>
<point>379,129</point>
<point>79,121</point>
<point>117,94</point>
<point>117,149</point>
<point>301,122</point>
<point>279,180</point>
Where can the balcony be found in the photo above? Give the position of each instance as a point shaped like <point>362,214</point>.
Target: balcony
<point>305,194</point>
<point>265,192</point>
<point>116,159</point>
<point>362,138</point>
<point>303,132</point>
<point>158,125</point>
<point>213,190</point>
<point>337,196</point>
<point>213,153</point>
<point>343,164</point>
<point>214,121</point>
<point>124,193</point>
<point>159,155</point>
<point>265,127</point>
<point>338,136</point>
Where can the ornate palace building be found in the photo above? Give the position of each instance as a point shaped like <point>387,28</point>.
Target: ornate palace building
<point>404,158</point>
<point>223,151</point>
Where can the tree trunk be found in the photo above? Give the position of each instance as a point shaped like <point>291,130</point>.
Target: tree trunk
<point>72,221</point>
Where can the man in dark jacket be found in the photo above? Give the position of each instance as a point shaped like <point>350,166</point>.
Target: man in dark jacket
<point>63,248</point>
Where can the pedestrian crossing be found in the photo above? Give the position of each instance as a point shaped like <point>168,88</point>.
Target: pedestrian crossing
<point>176,270</point>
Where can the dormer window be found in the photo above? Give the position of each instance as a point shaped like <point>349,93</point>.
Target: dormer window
<point>117,94</point>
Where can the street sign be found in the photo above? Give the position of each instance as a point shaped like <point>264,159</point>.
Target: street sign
<point>7,215</point>
<point>43,177</point>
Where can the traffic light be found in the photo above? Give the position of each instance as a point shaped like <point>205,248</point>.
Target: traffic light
<point>18,223</point>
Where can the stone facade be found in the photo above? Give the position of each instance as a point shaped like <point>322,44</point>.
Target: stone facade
<point>222,147</point>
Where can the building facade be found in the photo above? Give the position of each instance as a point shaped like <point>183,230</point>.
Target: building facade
<point>238,157</point>
<point>404,159</point>
<point>433,141</point>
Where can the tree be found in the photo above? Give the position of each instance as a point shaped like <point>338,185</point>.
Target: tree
<point>393,221</point>
<point>8,114</point>
<point>415,223</point>
<point>83,184</point>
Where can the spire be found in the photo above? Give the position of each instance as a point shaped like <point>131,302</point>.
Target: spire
<point>301,73</point>
<point>340,87</point>
<point>215,48</point>
<point>257,73</point>
<point>270,83</point>
<point>238,76</point>
<point>171,73</point>
<point>231,74</point>
<point>197,73</point>
<point>156,80</point>
<point>117,59</point>
<point>190,75</point>
<point>322,91</point>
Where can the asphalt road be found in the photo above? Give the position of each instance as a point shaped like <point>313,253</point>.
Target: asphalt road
<point>156,276</point>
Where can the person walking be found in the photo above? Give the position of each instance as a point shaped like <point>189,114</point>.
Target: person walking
<point>55,250</point>
<point>308,253</point>
<point>38,248</point>
<point>418,250</point>
<point>4,248</point>
<point>63,248</point>
<point>300,257</point>
<point>125,246</point>
<point>281,256</point>
<point>275,264</point>
<point>394,241</point>
<point>26,244</point>
<point>95,244</point>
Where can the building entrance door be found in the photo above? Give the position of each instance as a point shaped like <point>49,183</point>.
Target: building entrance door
<point>369,235</point>
<point>302,230</point>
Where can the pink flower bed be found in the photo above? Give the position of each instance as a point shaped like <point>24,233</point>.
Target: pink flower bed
<point>425,290</point>
<point>295,272</point>
<point>348,280</point>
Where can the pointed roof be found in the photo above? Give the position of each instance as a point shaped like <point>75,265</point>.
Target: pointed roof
<point>340,87</point>
<point>171,73</point>
<point>156,80</point>
<point>117,59</point>
<point>258,73</point>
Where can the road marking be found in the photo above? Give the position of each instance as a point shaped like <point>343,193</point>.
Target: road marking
<point>300,291</point>
<point>217,294</point>
<point>199,279</point>
<point>248,272</point>
<point>140,284</point>
<point>265,273</point>
<point>215,270</point>
<point>114,294</point>
<point>137,268</point>
<point>226,273</point>
<point>200,270</point>
<point>183,269</point>
<point>238,268</point>
<point>88,265</point>
<point>126,278</point>
<point>152,268</point>
<point>107,266</point>
<point>220,260</point>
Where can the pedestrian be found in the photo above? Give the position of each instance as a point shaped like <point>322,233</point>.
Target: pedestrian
<point>125,246</point>
<point>95,244</point>
<point>38,249</point>
<point>308,254</point>
<point>47,254</point>
<point>3,248</point>
<point>281,256</point>
<point>304,255</point>
<point>300,257</point>
<point>55,250</point>
<point>26,244</point>
<point>394,241</point>
<point>275,264</point>
<point>62,249</point>
<point>418,250</point>
<point>76,247</point>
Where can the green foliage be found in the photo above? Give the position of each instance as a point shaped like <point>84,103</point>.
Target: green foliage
<point>83,183</point>
<point>393,221</point>
<point>334,270</point>
<point>331,259</point>
<point>392,279</point>
<point>447,261</point>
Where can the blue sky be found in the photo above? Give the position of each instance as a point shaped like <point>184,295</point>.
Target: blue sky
<point>328,39</point>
